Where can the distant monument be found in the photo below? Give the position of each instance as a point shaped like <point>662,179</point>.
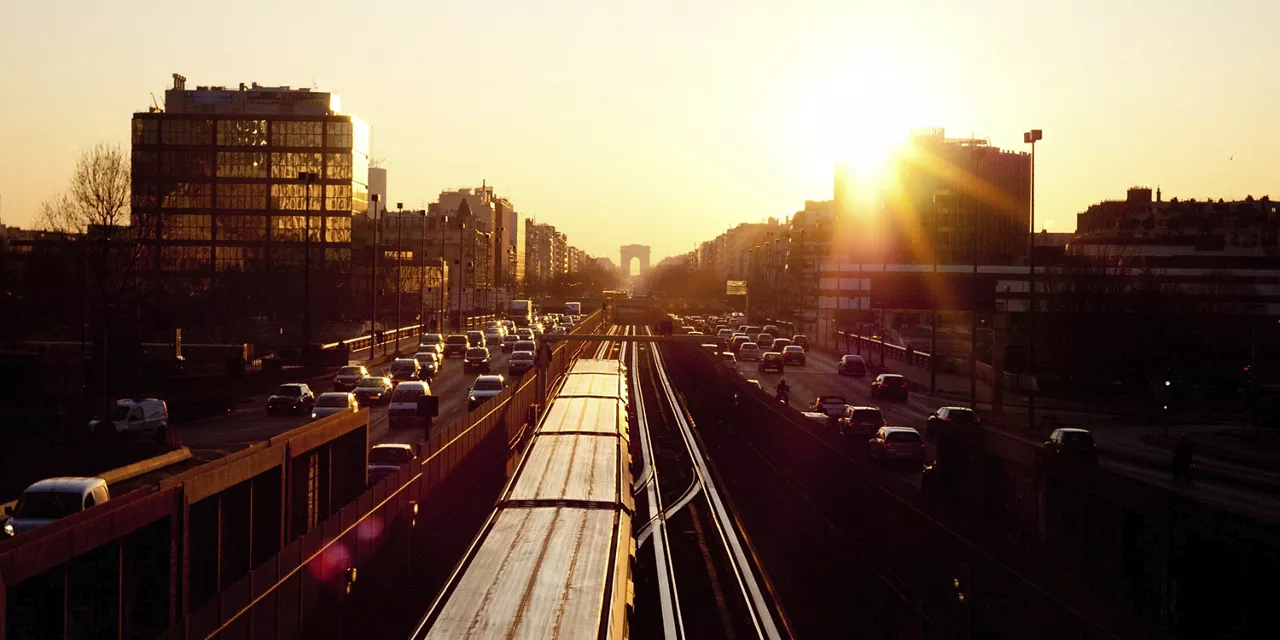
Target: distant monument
<point>638,251</point>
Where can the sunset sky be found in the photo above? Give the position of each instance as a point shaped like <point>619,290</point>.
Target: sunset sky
<point>663,122</point>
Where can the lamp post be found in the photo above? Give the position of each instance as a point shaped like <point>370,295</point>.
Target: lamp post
<point>444,222</point>
<point>399,266</point>
<point>1032,137</point>
<point>462,226</point>
<point>308,178</point>
<point>373,278</point>
<point>422,276</point>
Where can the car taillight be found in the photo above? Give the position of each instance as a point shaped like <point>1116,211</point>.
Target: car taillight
<point>948,419</point>
<point>888,445</point>
<point>976,420</point>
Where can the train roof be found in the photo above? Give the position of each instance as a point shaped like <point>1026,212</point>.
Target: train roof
<point>575,469</point>
<point>586,415</point>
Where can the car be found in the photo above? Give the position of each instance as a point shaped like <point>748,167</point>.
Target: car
<point>482,389</point>
<point>431,342</point>
<point>851,365</point>
<point>946,416</point>
<point>729,359</point>
<point>725,335</point>
<point>476,359</point>
<point>557,331</point>
<point>455,346</point>
<point>332,402</point>
<point>508,325</point>
<point>889,385</point>
<point>475,339</point>
<point>144,416</point>
<point>749,351</point>
<point>494,335</point>
<point>736,343</point>
<point>755,382</point>
<point>295,397</point>
<point>771,361</point>
<point>793,354</point>
<point>509,341</point>
<point>525,345</point>
<point>860,421</point>
<point>373,390</point>
<point>386,459</point>
<point>816,416</point>
<point>430,361</point>
<point>764,341</point>
<point>524,334</point>
<point>51,499</point>
<point>348,376</point>
<point>1072,445</point>
<point>802,340</point>
<point>404,370</point>
<point>402,410</point>
<point>831,405</point>
<point>779,344</point>
<point>520,362</point>
<point>896,444</point>
<point>771,329</point>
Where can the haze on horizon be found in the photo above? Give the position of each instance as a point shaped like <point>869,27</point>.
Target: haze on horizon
<point>664,124</point>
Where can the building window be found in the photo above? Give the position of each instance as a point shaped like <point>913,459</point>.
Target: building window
<point>186,132</point>
<point>242,164</point>
<point>287,257</point>
<point>185,164</point>
<point>238,259</point>
<point>146,131</point>
<point>337,166</point>
<point>242,196</point>
<point>182,258</point>
<point>337,197</point>
<point>185,227</point>
<point>287,165</point>
<point>242,133</point>
<point>289,228</point>
<point>144,163</point>
<point>295,197</point>
<point>187,195</point>
<point>337,229</point>
<point>234,228</point>
<point>341,256</point>
<point>339,134</point>
<point>300,133</point>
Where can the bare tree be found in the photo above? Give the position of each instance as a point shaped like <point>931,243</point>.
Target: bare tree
<point>98,196</point>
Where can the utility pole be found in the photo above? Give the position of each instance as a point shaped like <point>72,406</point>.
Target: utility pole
<point>422,276</point>
<point>308,179</point>
<point>444,222</point>
<point>373,279</point>
<point>1031,137</point>
<point>399,270</point>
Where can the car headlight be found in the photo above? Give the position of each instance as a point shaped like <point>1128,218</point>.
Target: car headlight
<point>8,530</point>
<point>313,415</point>
<point>473,398</point>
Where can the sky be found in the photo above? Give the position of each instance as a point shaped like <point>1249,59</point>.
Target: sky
<point>665,122</point>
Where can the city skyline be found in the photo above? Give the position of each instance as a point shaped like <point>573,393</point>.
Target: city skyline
<point>681,122</point>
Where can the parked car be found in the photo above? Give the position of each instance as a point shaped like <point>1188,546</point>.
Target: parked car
<point>430,362</point>
<point>373,390</point>
<point>831,405</point>
<point>801,340</point>
<point>431,342</point>
<point>455,346</point>
<point>860,421</point>
<point>477,359</point>
<point>1075,445</point>
<point>482,389</point>
<point>333,402</point>
<point>851,365</point>
<point>520,362</point>
<point>947,416</point>
<point>509,341</point>
<point>749,351</point>
<point>295,397</point>
<point>896,444</point>
<point>793,354</point>
<point>348,376</point>
<point>404,370</point>
<point>386,459</point>
<point>402,411</point>
<point>144,416</point>
<point>475,339</point>
<point>889,385</point>
<point>772,361</point>
<point>51,499</point>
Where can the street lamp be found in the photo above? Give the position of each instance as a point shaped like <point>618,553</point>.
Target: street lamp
<point>1032,137</point>
<point>308,178</point>
<point>444,222</point>
<point>399,266</point>
<point>373,278</point>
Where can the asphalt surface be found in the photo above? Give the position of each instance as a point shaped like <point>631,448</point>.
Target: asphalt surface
<point>818,377</point>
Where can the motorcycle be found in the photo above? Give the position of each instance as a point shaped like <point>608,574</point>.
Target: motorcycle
<point>784,397</point>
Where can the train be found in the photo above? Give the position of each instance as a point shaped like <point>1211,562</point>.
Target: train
<point>554,559</point>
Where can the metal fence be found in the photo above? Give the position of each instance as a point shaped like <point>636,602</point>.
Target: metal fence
<point>371,563</point>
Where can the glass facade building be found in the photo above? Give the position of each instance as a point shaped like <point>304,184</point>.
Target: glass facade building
<point>220,184</point>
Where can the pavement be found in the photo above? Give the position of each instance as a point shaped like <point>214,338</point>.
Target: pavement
<point>1124,447</point>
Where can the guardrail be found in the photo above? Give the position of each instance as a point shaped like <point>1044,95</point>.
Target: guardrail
<point>389,336</point>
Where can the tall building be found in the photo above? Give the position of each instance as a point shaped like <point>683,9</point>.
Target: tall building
<point>231,183</point>
<point>378,188</point>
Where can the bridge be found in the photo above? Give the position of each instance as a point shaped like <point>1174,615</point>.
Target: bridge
<point>746,518</point>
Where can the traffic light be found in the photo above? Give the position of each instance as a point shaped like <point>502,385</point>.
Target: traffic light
<point>1167,383</point>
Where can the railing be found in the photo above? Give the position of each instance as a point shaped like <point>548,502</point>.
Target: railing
<point>396,336</point>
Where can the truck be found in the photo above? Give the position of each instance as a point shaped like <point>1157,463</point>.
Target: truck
<point>573,308</point>
<point>520,312</point>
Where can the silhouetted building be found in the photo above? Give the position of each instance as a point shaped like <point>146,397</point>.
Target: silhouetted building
<point>221,185</point>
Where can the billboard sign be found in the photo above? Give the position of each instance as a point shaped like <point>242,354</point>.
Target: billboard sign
<point>735,287</point>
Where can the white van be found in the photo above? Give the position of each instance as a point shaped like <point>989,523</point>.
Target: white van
<point>53,498</point>
<point>134,417</point>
